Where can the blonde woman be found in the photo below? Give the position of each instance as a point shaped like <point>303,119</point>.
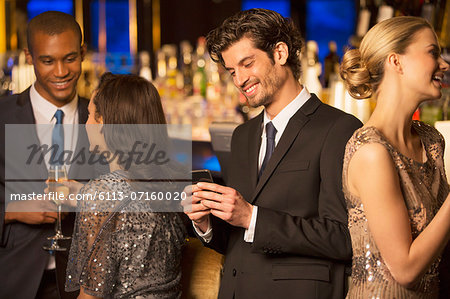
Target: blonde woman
<point>393,175</point>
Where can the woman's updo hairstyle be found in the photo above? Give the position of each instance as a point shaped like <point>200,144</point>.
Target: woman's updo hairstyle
<point>363,69</point>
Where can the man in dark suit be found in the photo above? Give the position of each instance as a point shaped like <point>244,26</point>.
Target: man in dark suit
<point>55,49</point>
<point>282,222</point>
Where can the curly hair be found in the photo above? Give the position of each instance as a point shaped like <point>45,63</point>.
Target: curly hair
<point>363,69</point>
<point>265,28</point>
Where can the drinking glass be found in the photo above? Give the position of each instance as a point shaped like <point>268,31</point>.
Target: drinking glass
<point>57,174</point>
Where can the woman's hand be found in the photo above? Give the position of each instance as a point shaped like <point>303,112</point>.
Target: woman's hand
<point>195,210</point>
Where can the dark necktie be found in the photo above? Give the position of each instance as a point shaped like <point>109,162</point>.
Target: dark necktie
<point>270,145</point>
<point>58,139</point>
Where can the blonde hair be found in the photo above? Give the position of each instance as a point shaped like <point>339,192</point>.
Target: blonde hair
<point>363,69</point>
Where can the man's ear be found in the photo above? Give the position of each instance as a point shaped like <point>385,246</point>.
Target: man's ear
<point>28,56</point>
<point>281,53</point>
<point>83,50</point>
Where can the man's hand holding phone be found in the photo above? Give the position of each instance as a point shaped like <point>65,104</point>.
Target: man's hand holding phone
<point>225,203</point>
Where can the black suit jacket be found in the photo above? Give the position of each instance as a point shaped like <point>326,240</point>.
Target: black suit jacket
<point>301,246</point>
<point>22,259</point>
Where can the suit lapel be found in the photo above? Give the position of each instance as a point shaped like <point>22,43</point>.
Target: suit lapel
<point>81,145</point>
<point>82,110</point>
<point>25,115</point>
<point>295,124</point>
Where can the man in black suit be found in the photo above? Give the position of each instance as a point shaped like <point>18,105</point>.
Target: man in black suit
<point>282,222</point>
<point>55,50</point>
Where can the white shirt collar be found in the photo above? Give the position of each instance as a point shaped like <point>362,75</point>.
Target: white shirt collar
<point>281,120</point>
<point>44,111</point>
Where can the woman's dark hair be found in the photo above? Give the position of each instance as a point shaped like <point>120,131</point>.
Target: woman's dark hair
<point>134,125</point>
<point>128,99</point>
<point>265,28</point>
<point>135,132</point>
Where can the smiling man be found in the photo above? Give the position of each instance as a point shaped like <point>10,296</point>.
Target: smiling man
<point>57,64</point>
<point>55,50</point>
<point>282,221</point>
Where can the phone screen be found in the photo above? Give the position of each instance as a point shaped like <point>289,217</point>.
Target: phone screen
<point>203,175</point>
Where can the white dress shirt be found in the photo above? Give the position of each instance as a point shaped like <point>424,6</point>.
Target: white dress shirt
<point>280,122</point>
<point>44,112</point>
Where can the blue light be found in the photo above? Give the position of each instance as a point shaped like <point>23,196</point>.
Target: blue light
<point>212,164</point>
<point>283,7</point>
<point>328,20</point>
<point>117,26</point>
<point>182,157</point>
<point>118,60</point>
<point>35,7</point>
<point>10,62</point>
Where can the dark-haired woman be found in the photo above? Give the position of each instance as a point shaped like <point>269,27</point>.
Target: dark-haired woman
<point>121,247</point>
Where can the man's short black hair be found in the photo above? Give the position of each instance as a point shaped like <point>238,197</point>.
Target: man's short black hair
<point>52,23</point>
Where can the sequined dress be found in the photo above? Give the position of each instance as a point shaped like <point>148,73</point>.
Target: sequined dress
<point>124,254</point>
<point>424,187</point>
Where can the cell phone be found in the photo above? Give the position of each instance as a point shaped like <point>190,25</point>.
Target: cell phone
<point>202,175</point>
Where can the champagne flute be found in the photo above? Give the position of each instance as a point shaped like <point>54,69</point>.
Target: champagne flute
<point>57,174</point>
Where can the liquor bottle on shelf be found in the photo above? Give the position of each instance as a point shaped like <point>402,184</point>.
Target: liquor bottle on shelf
<point>366,18</point>
<point>442,24</point>
<point>186,67</point>
<point>161,71</point>
<point>363,19</point>
<point>172,76</point>
<point>385,11</point>
<point>312,68</point>
<point>5,75</point>
<point>213,84</point>
<point>428,11</point>
<point>331,63</point>
<point>145,71</point>
<point>22,74</point>
<point>200,79</point>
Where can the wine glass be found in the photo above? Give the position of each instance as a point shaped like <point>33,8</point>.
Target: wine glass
<point>57,174</point>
